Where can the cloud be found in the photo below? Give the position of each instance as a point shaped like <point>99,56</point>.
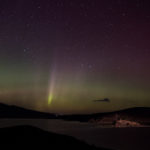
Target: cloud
<point>102,100</point>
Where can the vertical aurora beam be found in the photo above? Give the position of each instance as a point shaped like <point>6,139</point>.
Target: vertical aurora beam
<point>50,98</point>
<point>52,83</point>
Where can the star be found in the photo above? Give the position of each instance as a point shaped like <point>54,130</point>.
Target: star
<point>82,65</point>
<point>90,66</point>
<point>24,50</point>
<point>123,14</point>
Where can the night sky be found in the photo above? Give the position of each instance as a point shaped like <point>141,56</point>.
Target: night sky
<point>60,55</point>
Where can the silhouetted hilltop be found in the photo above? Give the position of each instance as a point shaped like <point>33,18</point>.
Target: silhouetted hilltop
<point>139,114</point>
<point>10,111</point>
<point>27,137</point>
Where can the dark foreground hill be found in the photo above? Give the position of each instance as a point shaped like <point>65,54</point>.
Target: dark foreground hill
<point>28,137</point>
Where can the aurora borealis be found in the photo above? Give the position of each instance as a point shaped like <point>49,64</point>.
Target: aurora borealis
<point>60,55</point>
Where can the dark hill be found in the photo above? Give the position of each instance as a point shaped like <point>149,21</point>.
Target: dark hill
<point>139,114</point>
<point>10,111</point>
<point>28,137</point>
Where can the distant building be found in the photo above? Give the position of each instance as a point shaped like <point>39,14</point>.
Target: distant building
<point>126,123</point>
